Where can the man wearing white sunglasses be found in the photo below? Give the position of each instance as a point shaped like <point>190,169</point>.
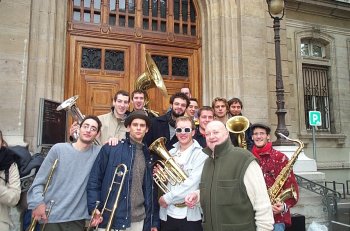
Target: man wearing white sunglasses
<point>188,154</point>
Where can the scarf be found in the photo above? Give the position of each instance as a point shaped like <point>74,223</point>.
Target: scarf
<point>260,151</point>
<point>170,119</point>
<point>7,158</point>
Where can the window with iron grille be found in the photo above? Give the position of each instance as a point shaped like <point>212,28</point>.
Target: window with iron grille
<point>161,16</point>
<point>316,94</point>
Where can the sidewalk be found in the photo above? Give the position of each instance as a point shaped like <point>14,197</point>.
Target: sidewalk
<point>341,221</point>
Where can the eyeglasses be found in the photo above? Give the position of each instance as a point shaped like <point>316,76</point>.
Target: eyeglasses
<point>89,128</point>
<point>183,130</point>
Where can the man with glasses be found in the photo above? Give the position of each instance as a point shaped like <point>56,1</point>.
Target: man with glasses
<point>233,194</point>
<point>188,155</point>
<point>164,126</point>
<point>205,115</point>
<point>67,188</point>
<point>272,162</point>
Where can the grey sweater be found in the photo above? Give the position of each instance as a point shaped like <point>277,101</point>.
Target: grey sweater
<point>68,183</point>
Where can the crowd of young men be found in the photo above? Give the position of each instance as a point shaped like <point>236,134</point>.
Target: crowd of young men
<point>224,189</point>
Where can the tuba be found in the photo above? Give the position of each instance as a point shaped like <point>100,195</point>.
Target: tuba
<point>275,193</point>
<point>149,79</point>
<point>238,125</point>
<point>120,171</point>
<point>34,222</point>
<point>70,105</point>
<point>168,171</point>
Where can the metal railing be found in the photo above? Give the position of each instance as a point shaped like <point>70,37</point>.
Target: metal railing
<point>334,186</point>
<point>329,197</point>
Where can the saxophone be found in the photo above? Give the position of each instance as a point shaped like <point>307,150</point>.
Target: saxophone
<point>274,191</point>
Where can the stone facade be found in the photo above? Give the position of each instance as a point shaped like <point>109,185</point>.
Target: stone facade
<point>327,22</point>
<point>238,59</point>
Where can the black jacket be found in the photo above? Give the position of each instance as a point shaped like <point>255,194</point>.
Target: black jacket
<point>160,128</point>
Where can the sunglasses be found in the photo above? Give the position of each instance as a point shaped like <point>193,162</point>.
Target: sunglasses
<point>183,130</point>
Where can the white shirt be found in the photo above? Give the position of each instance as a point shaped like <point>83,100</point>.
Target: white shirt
<point>257,192</point>
<point>191,161</point>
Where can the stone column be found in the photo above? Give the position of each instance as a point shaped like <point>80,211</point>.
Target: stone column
<point>234,53</point>
<point>46,60</point>
<point>14,37</point>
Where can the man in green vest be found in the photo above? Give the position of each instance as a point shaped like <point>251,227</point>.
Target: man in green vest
<point>232,193</point>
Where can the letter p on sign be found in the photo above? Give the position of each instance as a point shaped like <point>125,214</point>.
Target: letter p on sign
<point>315,118</point>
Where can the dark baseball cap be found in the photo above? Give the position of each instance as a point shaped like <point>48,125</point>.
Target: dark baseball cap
<point>261,125</point>
<point>138,114</point>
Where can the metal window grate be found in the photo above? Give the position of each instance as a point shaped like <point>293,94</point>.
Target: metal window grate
<point>316,94</point>
<point>160,16</point>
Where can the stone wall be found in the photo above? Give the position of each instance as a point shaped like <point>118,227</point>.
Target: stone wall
<point>235,62</point>
<point>14,46</point>
<point>332,148</point>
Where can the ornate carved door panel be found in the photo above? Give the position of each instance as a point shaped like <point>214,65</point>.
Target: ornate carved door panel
<point>107,42</point>
<point>178,67</point>
<point>98,68</point>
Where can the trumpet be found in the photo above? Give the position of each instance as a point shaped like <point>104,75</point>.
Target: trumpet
<point>34,222</point>
<point>120,171</point>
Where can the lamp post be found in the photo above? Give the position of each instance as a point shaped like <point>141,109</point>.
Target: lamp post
<point>276,11</point>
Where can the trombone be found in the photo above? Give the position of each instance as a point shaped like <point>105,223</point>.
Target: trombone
<point>120,171</point>
<point>34,222</point>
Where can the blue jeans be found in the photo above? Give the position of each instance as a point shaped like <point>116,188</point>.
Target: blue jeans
<point>279,227</point>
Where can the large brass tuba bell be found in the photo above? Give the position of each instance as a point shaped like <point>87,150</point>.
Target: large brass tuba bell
<point>238,125</point>
<point>70,105</point>
<point>168,171</point>
<point>151,78</point>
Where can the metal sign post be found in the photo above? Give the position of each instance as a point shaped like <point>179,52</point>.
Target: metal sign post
<point>314,120</point>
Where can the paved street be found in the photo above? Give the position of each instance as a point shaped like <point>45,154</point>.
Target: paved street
<point>341,221</point>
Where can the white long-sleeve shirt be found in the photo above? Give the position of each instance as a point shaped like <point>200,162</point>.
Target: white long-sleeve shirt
<point>257,192</point>
<point>9,193</point>
<point>191,161</point>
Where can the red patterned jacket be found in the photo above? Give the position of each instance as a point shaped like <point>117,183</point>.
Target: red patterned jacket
<point>272,162</point>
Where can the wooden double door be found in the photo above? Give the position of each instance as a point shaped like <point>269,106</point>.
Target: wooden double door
<point>97,68</point>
